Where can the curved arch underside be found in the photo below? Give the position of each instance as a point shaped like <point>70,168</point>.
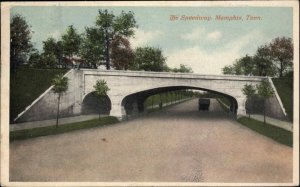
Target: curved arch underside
<point>134,103</point>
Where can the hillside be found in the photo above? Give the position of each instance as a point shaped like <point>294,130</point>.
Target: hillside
<point>284,87</point>
<point>27,84</point>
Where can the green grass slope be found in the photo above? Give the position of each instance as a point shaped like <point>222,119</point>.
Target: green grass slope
<point>284,87</point>
<point>280,135</point>
<point>27,84</point>
<point>51,130</point>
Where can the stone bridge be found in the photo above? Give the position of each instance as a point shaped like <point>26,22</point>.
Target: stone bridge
<point>129,90</point>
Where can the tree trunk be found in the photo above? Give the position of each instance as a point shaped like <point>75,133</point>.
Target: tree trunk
<point>250,107</point>
<point>57,115</point>
<point>152,101</point>
<point>100,108</point>
<point>107,50</point>
<point>264,111</point>
<point>160,102</point>
<point>94,65</point>
<point>281,69</point>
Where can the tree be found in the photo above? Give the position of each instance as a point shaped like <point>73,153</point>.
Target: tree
<point>247,65</point>
<point>49,46</point>
<point>71,42</point>
<point>281,51</point>
<point>20,44</point>
<point>121,53</point>
<point>265,91</point>
<point>237,66</point>
<point>60,86</point>
<point>112,26</point>
<point>249,92</point>
<point>149,59</point>
<point>53,47</point>
<point>48,60</point>
<point>101,90</point>
<point>91,48</point>
<point>228,70</point>
<point>183,69</point>
<point>35,60</point>
<point>263,63</point>
<point>266,59</point>
<point>59,51</point>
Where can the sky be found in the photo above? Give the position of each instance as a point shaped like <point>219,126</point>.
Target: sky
<point>204,45</point>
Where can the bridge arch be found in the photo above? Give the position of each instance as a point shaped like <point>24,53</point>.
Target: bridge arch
<point>134,102</point>
<point>92,105</point>
<point>125,83</point>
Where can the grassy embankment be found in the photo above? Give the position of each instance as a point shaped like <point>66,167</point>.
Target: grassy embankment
<point>27,84</point>
<point>50,130</point>
<point>284,87</point>
<point>278,134</point>
<point>224,101</point>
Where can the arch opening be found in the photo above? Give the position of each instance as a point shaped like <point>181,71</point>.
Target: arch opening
<point>134,103</point>
<point>91,104</point>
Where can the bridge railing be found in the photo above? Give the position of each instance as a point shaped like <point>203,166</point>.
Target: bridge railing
<point>169,74</point>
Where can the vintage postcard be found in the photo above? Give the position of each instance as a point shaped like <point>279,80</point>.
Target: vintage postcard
<point>195,93</point>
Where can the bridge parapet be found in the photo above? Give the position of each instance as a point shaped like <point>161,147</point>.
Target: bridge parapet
<point>170,75</point>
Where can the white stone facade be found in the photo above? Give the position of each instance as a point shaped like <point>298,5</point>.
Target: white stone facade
<point>124,83</point>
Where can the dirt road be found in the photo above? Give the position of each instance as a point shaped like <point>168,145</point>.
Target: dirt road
<point>179,144</point>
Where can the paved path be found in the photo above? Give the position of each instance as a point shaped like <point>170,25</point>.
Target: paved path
<point>275,122</point>
<point>45,123</point>
<point>179,144</point>
<point>272,121</point>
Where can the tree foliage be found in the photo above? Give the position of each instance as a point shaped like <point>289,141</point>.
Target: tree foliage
<point>49,46</point>
<point>265,91</point>
<point>121,54</point>
<point>20,44</point>
<point>35,60</point>
<point>91,48</point>
<point>113,26</point>
<point>53,48</point>
<point>247,67</point>
<point>249,91</point>
<point>228,70</point>
<point>273,59</point>
<point>149,59</point>
<point>282,54</point>
<point>101,90</point>
<point>60,85</point>
<point>71,42</point>
<point>183,69</point>
<point>49,60</point>
<point>263,63</point>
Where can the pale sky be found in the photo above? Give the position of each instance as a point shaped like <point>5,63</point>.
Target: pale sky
<point>205,46</point>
